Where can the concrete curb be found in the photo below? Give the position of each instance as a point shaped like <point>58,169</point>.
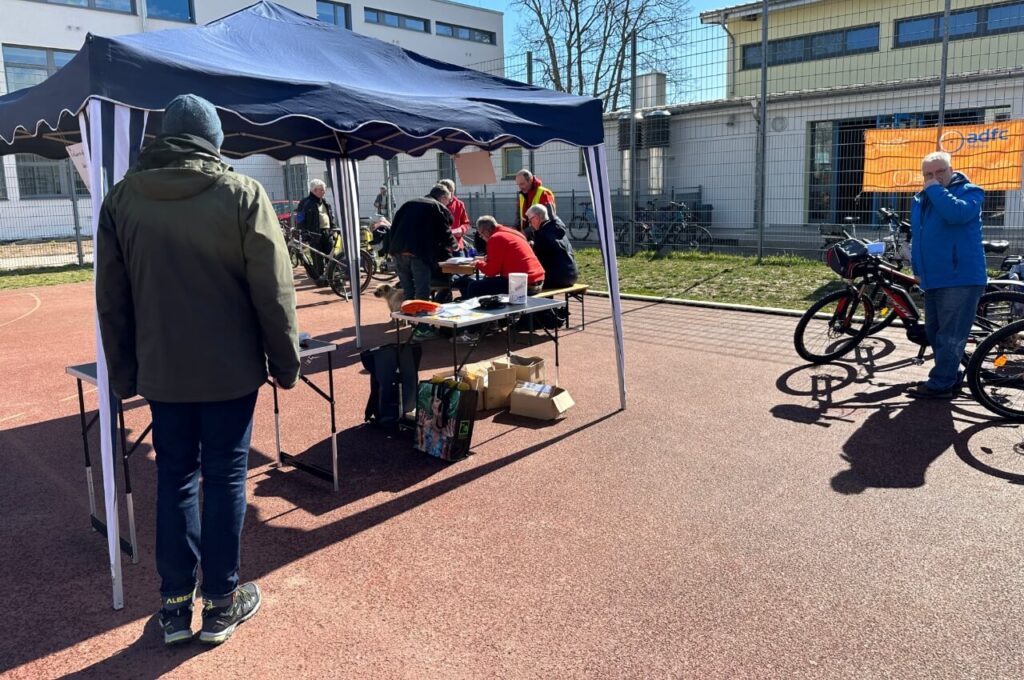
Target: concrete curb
<point>701,303</point>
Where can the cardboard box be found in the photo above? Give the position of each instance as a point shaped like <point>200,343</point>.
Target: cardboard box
<point>476,376</point>
<point>500,383</point>
<point>528,369</point>
<point>540,401</point>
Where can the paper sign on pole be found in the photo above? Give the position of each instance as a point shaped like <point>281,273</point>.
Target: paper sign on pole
<point>475,167</point>
<point>76,152</point>
<point>989,154</point>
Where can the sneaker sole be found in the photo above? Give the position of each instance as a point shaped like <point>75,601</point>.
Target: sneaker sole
<point>221,637</point>
<point>181,637</point>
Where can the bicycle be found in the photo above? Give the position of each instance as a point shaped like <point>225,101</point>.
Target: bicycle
<point>683,231</point>
<point>995,373</point>
<point>840,321</point>
<point>581,225</point>
<point>641,235</point>
<point>337,269</point>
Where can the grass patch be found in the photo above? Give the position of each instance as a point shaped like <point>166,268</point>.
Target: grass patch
<point>784,281</point>
<point>44,276</point>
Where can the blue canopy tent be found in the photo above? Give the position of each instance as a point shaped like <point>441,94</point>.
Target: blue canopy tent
<point>321,95</point>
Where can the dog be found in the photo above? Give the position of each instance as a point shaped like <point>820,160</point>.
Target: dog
<point>394,296</point>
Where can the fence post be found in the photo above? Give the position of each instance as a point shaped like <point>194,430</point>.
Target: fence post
<point>762,136</point>
<point>632,143</point>
<point>74,213</point>
<point>942,77</point>
<point>529,81</point>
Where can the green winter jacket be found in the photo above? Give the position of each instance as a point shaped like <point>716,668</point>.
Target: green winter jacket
<point>193,282</point>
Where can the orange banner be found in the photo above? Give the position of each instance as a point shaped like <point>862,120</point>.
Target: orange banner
<point>990,155</point>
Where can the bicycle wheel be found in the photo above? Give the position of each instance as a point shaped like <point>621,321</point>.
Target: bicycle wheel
<point>698,240</point>
<point>995,374</point>
<point>833,326</point>
<point>885,312</point>
<point>579,229</point>
<point>367,268</point>
<point>997,309</point>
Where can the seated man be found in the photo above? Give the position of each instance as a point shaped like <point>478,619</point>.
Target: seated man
<point>508,252</point>
<point>551,244</point>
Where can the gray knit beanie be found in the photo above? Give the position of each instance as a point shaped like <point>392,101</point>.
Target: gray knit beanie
<point>189,114</point>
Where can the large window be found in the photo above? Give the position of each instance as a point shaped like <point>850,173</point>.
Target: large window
<point>296,181</point>
<point>170,10</point>
<point>445,166</point>
<point>39,177</point>
<point>3,182</point>
<point>814,46</point>
<point>337,13</point>
<point>378,16</point>
<point>819,166</point>
<point>511,161</point>
<point>392,170</point>
<point>465,33</point>
<point>968,23</point>
<point>126,6</point>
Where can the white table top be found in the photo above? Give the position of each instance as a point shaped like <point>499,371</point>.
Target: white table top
<point>87,372</point>
<point>453,315</point>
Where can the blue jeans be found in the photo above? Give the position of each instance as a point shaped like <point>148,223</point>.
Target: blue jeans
<point>948,316</point>
<point>212,439</point>
<point>414,276</point>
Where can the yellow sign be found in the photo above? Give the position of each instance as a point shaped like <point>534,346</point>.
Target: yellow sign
<point>990,155</point>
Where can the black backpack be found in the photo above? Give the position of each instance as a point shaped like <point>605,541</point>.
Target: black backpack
<point>848,258</point>
<point>394,376</point>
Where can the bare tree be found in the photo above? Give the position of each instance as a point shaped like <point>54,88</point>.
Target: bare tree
<point>582,46</point>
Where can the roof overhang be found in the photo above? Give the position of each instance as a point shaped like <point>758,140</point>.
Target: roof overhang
<point>749,10</point>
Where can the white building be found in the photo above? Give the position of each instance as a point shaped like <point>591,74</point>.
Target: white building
<point>39,36</point>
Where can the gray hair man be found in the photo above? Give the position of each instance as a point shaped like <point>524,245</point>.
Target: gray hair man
<point>949,260</point>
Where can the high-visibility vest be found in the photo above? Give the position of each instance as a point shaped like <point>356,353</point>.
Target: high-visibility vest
<point>541,190</point>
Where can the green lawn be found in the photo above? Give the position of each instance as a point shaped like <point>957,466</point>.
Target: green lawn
<point>45,276</point>
<point>780,281</point>
<point>788,282</point>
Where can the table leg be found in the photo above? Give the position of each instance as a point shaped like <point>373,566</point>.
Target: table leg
<point>129,502</point>
<point>277,424</point>
<point>334,425</point>
<point>85,447</point>
<point>557,376</point>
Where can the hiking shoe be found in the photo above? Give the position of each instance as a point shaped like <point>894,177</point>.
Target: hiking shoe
<point>220,622</point>
<point>922,391</point>
<point>465,338</point>
<point>176,619</point>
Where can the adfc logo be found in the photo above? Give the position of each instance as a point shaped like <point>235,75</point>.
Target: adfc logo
<point>953,141</point>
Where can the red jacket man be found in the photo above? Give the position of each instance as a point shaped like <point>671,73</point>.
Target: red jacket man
<point>460,218</point>
<point>532,192</point>
<point>508,252</point>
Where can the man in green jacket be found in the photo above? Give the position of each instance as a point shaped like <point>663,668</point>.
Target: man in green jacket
<point>195,300</point>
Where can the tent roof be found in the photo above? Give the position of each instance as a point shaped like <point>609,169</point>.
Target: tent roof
<point>289,85</point>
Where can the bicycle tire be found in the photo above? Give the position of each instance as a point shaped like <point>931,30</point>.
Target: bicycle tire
<point>700,241</point>
<point>995,374</point>
<point>580,226</point>
<point>841,332</point>
<point>997,309</point>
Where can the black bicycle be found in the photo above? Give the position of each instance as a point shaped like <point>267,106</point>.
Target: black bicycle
<point>581,224</point>
<point>840,321</point>
<point>995,373</point>
<point>680,230</point>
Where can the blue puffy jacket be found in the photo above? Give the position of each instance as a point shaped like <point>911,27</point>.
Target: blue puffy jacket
<point>946,250</point>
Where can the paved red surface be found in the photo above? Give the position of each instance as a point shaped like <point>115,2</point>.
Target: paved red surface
<point>744,518</point>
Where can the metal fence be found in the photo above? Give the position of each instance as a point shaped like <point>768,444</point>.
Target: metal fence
<point>757,174</point>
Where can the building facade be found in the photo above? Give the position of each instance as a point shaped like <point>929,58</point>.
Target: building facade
<point>37,37</point>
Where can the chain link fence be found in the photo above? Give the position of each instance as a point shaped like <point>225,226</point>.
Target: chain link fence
<point>698,158</point>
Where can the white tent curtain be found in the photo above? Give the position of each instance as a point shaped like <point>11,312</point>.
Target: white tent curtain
<point>345,180</point>
<point>596,159</point>
<point>112,136</point>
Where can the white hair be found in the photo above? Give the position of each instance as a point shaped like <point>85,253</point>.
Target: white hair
<point>537,210</point>
<point>938,156</point>
<point>317,184</point>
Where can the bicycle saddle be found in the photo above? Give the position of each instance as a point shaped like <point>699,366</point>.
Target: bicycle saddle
<point>995,246</point>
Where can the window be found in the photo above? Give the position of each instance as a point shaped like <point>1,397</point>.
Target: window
<point>814,46</point>
<point>970,23</point>
<point>391,171</point>
<point>656,171</point>
<point>582,167</point>
<point>126,6</point>
<point>296,181</point>
<point>445,166</point>
<point>38,177</point>
<point>170,10</point>
<point>336,13</point>
<point>820,173</point>
<point>511,161</point>
<point>3,182</point>
<point>377,16</point>
<point>464,33</point>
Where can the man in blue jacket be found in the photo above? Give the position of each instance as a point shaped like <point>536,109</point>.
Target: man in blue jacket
<point>949,261</point>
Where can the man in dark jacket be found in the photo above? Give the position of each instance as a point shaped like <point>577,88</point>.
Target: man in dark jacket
<point>315,218</point>
<point>420,238</point>
<point>195,300</point>
<point>551,244</point>
<point>949,260</point>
